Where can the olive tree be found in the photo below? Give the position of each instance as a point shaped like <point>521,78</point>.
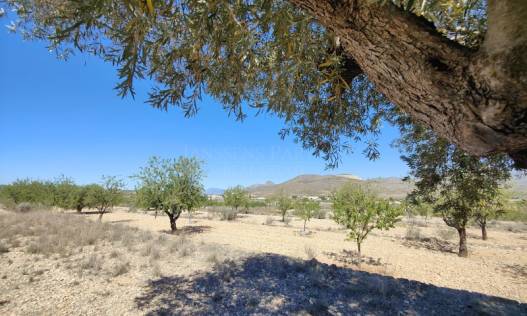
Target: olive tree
<point>331,69</point>
<point>236,197</point>
<point>105,196</point>
<point>171,186</point>
<point>306,209</point>
<point>360,211</point>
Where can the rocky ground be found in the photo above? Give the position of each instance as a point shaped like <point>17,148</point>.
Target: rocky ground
<point>65,264</point>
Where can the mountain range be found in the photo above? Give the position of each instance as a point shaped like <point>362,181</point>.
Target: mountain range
<point>324,185</point>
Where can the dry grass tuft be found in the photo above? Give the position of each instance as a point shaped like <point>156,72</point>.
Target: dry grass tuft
<point>446,233</point>
<point>310,252</point>
<point>413,233</point>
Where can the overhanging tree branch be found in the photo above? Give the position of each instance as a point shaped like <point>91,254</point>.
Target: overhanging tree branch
<point>476,99</point>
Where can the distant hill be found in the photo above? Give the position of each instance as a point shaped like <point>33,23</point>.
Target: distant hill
<point>324,185</point>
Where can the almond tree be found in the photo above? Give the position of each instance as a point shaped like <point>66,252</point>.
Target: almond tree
<point>360,211</point>
<point>284,203</point>
<point>306,209</point>
<point>331,69</point>
<point>171,186</point>
<point>105,196</point>
<point>236,197</point>
<point>456,183</point>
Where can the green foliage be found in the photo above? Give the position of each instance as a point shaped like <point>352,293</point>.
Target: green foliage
<point>31,191</point>
<point>515,211</point>
<point>171,186</point>
<point>268,54</point>
<point>360,211</point>
<point>236,197</point>
<point>456,183</point>
<point>306,209</point>
<point>65,193</point>
<point>105,196</point>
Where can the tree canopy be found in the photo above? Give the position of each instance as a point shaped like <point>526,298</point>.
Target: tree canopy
<point>457,184</point>
<point>318,65</point>
<point>171,186</point>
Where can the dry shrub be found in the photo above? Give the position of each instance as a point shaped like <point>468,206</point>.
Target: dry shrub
<point>24,207</point>
<point>413,233</point>
<point>53,233</point>
<point>92,264</point>
<point>119,268</point>
<point>156,270</point>
<point>310,252</point>
<point>446,233</point>
<point>269,220</point>
<point>287,220</point>
<point>228,214</point>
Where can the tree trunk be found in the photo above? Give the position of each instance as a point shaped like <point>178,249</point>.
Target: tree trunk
<point>173,220</point>
<point>305,221</point>
<point>463,251</point>
<point>360,253</point>
<point>189,217</point>
<point>79,209</point>
<point>283,216</point>
<point>100,216</point>
<point>484,231</point>
<point>475,99</point>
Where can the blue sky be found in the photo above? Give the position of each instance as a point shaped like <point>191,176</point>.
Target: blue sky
<point>61,117</point>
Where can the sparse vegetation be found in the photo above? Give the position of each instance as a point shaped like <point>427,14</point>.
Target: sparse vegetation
<point>306,209</point>
<point>360,212</point>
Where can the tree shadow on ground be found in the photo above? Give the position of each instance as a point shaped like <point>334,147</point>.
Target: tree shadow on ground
<point>352,257</point>
<point>516,270</point>
<point>271,284</point>
<point>121,221</point>
<point>431,243</point>
<point>189,230</point>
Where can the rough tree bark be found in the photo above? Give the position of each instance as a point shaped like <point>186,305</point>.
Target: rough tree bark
<point>475,98</point>
<point>463,250</point>
<point>484,231</point>
<point>173,217</point>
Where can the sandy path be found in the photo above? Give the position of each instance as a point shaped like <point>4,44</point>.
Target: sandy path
<point>489,269</point>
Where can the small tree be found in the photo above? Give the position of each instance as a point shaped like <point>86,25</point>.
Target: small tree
<point>361,211</point>
<point>236,197</point>
<point>171,186</point>
<point>306,209</point>
<point>490,208</point>
<point>284,203</point>
<point>105,196</point>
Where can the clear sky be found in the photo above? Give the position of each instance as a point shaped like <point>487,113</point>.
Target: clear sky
<point>61,117</point>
